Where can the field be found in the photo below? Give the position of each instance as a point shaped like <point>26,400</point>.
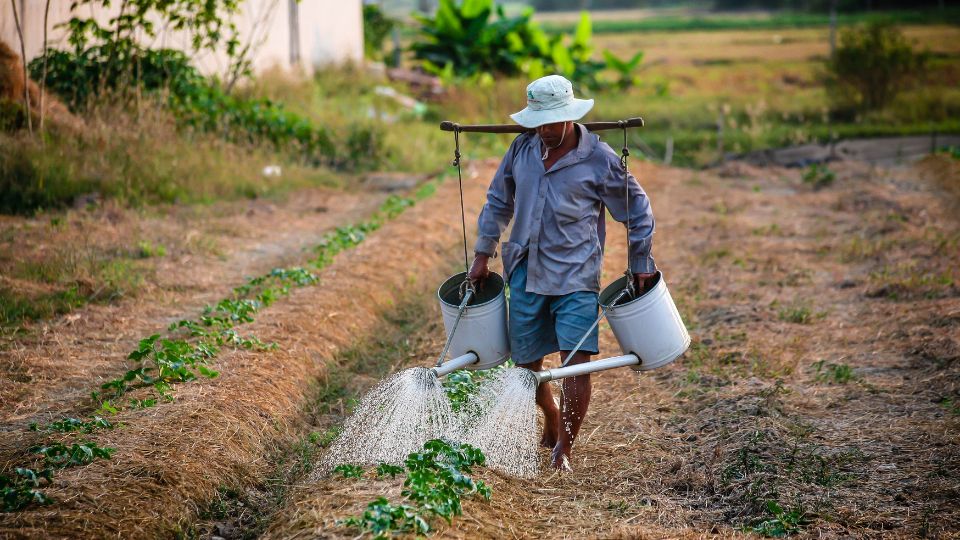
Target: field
<point>820,396</point>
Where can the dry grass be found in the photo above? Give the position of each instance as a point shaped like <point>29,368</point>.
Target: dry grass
<point>859,444</point>
<point>783,45</point>
<point>848,419</point>
<point>175,456</point>
<point>944,170</point>
<point>207,252</point>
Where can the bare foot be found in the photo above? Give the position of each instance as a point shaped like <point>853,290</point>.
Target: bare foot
<point>560,460</point>
<point>549,440</point>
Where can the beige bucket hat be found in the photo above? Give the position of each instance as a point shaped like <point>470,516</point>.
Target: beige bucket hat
<point>549,100</point>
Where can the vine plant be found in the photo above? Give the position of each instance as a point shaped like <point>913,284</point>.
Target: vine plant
<point>161,362</point>
<point>436,480</point>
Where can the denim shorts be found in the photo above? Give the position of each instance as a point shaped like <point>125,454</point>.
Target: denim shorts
<point>543,324</point>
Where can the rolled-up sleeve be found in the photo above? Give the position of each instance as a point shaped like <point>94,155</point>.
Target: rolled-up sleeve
<point>498,210</point>
<point>641,224</point>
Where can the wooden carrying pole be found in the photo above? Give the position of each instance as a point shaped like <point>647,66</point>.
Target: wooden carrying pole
<point>516,128</point>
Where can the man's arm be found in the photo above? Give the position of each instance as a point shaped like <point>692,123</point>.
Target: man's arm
<point>495,216</point>
<point>641,224</point>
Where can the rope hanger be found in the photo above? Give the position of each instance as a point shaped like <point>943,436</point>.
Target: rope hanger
<point>467,290</point>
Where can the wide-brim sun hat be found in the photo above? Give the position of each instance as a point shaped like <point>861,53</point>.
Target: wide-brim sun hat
<point>549,100</point>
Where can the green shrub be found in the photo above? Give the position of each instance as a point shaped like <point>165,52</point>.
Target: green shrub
<point>30,179</point>
<point>376,27</point>
<point>202,104</point>
<point>12,116</point>
<point>818,176</point>
<point>462,40</point>
<point>872,64</point>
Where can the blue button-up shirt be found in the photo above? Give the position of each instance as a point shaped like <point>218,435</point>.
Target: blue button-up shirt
<point>555,214</point>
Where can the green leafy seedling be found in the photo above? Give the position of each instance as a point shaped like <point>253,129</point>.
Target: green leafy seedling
<point>782,522</point>
<point>349,470</point>
<point>67,425</point>
<point>386,469</point>
<point>818,176</point>
<point>61,456</point>
<point>23,489</point>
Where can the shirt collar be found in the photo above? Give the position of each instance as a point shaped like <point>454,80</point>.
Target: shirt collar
<point>588,141</point>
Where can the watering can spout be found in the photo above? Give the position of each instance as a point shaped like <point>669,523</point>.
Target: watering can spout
<point>587,367</point>
<point>454,364</point>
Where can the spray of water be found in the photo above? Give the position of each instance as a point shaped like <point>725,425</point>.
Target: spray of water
<point>394,419</point>
<point>505,427</point>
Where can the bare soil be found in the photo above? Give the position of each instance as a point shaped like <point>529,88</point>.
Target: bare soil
<point>209,250</point>
<point>785,289</point>
<point>823,376</point>
<point>171,459</point>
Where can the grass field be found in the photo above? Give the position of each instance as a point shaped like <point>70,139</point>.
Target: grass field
<point>639,20</point>
<point>765,86</point>
<point>819,397</point>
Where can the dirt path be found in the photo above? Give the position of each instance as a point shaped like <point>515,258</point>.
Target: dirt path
<point>824,377</point>
<point>886,151</point>
<point>46,373</point>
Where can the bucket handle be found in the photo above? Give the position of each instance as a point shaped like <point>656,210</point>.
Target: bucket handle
<point>468,293</point>
<point>603,313</point>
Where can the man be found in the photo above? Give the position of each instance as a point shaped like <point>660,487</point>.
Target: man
<point>554,183</point>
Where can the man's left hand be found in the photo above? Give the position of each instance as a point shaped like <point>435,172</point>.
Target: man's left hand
<point>643,282</point>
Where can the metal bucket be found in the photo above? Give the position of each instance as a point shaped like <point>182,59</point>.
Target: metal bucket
<point>649,326</point>
<point>483,327</point>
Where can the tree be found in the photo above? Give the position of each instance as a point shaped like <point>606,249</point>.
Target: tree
<point>115,48</point>
<point>871,66</point>
<point>26,78</point>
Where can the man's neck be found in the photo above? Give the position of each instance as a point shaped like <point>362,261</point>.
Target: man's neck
<point>570,141</point>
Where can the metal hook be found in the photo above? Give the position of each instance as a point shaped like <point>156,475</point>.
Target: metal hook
<point>456,151</point>
<point>467,286</point>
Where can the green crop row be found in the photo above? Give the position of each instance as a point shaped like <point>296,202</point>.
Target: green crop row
<point>161,362</point>
<point>436,479</point>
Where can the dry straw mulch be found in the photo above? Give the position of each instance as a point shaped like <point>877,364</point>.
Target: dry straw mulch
<point>50,371</point>
<point>171,459</point>
<point>774,277</point>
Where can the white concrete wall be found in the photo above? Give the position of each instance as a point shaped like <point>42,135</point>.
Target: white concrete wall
<point>330,31</point>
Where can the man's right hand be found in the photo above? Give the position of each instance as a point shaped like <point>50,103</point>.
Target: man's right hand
<point>479,270</point>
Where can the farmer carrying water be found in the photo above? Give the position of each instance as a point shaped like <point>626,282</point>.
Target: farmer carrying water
<point>554,183</point>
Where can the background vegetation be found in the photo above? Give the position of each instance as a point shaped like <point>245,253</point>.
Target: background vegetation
<point>143,127</point>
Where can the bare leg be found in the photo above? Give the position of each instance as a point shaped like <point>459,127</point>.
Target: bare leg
<point>576,399</point>
<point>551,414</point>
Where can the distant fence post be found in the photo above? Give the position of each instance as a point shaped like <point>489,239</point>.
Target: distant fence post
<point>720,122</point>
<point>668,154</point>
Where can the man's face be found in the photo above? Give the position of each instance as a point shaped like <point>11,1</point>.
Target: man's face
<point>552,134</point>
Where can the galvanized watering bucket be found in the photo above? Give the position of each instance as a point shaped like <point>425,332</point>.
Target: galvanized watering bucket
<point>649,326</point>
<point>483,327</point>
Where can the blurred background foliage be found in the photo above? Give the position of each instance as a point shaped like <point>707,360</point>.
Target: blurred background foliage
<point>708,83</point>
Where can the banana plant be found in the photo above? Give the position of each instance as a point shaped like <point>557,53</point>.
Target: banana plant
<point>476,37</point>
<point>624,68</point>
